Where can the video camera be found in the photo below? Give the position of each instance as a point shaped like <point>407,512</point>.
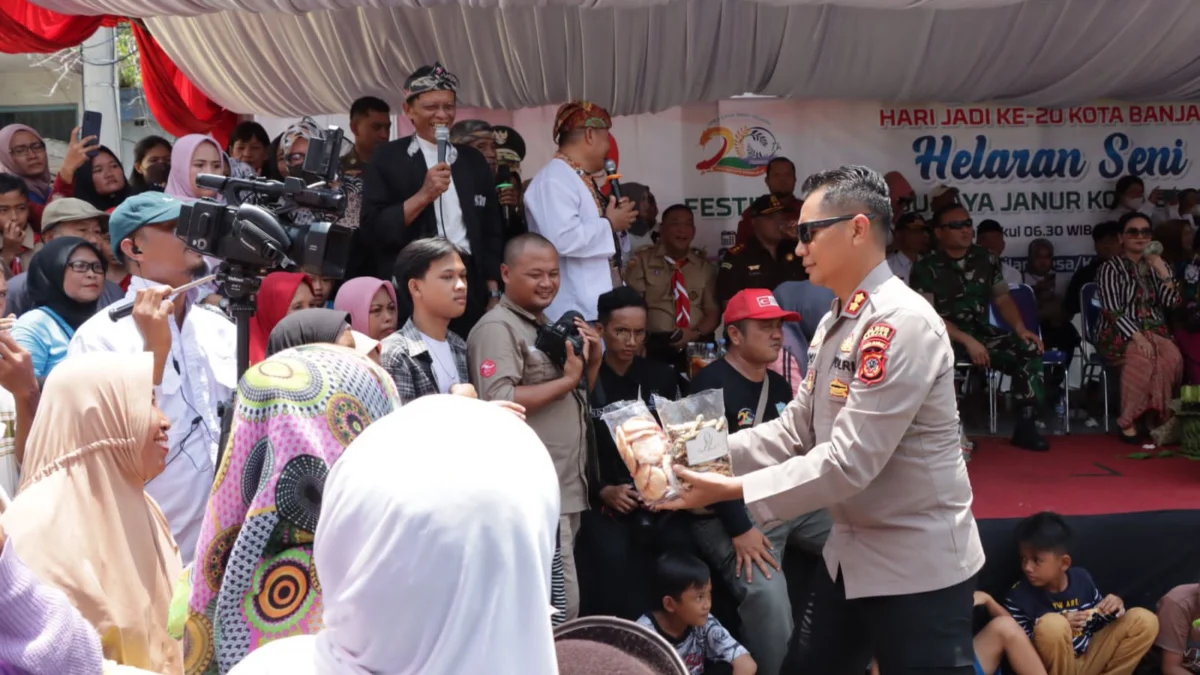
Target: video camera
<point>261,238</point>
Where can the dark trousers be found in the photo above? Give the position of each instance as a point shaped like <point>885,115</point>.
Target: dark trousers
<point>915,634</point>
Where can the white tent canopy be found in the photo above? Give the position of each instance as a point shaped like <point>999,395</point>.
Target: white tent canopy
<point>291,57</point>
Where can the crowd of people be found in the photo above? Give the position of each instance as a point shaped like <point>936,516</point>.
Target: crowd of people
<point>412,433</point>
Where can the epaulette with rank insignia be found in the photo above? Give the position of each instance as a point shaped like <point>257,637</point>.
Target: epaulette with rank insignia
<point>735,249</point>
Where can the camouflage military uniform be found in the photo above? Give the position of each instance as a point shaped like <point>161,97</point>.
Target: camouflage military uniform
<point>962,292</point>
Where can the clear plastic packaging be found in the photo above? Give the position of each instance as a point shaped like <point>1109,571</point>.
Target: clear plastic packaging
<point>697,431</point>
<point>642,444</point>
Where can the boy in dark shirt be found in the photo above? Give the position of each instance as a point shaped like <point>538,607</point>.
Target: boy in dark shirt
<point>682,617</point>
<point>747,558</point>
<point>1075,630</point>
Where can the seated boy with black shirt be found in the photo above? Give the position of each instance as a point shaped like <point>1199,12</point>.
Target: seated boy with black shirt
<point>1075,630</point>
<point>620,538</point>
<point>729,541</point>
<point>683,617</point>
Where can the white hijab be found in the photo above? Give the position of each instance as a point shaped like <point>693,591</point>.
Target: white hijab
<point>434,550</point>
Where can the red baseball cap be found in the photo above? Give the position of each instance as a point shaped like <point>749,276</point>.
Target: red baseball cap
<point>756,303</point>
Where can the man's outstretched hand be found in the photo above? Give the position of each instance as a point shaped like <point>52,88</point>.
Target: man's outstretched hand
<point>706,488</point>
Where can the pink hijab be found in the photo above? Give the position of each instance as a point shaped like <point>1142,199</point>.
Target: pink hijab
<point>355,297</point>
<point>179,184</point>
<point>39,185</point>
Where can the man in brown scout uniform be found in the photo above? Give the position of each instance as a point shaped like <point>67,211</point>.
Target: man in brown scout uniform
<point>765,261</point>
<point>680,289</point>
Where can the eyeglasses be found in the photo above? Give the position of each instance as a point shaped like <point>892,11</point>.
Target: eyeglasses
<point>805,231</point>
<point>958,224</point>
<point>22,150</point>
<point>295,158</point>
<point>1135,232</point>
<point>82,266</point>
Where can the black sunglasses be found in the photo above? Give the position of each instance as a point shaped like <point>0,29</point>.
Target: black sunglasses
<point>958,224</point>
<point>1135,232</point>
<point>805,231</point>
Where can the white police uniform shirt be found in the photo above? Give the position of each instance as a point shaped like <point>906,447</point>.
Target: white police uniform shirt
<point>200,376</point>
<point>562,208</point>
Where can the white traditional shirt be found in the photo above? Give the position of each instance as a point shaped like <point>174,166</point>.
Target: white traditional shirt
<point>562,208</point>
<point>200,377</point>
<point>901,265</point>
<point>447,207</point>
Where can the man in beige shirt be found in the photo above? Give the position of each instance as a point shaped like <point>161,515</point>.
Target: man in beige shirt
<point>505,364</point>
<point>873,435</point>
<point>680,289</point>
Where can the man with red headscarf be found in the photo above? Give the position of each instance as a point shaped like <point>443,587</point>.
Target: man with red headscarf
<point>565,205</point>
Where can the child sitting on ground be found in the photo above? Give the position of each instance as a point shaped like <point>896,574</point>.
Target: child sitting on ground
<point>1074,629</point>
<point>1178,643</point>
<point>684,589</point>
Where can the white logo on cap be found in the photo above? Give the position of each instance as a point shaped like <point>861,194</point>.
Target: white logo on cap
<point>767,301</point>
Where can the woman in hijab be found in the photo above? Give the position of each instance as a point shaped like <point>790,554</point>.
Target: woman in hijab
<point>296,414</point>
<point>371,303</point>
<point>289,155</point>
<point>23,153</point>
<point>83,521</point>
<point>101,181</point>
<point>281,294</point>
<point>66,279</point>
<point>193,155</point>
<point>415,597</point>
<point>311,326</point>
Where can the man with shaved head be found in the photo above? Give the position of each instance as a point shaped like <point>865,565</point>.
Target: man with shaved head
<point>505,364</point>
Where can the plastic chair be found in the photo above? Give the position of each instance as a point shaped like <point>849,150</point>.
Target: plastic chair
<point>1094,367</point>
<point>1052,359</point>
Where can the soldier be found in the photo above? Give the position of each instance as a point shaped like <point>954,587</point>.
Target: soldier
<point>962,281</point>
<point>873,435</point>
<point>679,285</point>
<point>767,259</point>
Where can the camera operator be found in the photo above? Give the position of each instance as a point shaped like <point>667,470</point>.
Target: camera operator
<point>194,349</point>
<point>408,194</point>
<point>506,364</point>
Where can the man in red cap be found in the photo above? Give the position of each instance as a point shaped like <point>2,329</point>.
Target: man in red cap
<point>750,558</point>
<point>564,205</point>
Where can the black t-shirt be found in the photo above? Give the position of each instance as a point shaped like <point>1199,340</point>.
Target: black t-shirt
<point>741,394</point>
<point>741,401</point>
<point>652,378</point>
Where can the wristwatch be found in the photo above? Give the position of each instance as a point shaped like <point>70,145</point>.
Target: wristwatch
<point>495,295</point>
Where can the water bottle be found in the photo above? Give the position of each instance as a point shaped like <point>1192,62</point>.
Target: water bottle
<point>722,348</point>
<point>1060,412</point>
<point>710,352</point>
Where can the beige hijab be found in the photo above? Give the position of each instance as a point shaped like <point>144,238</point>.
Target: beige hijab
<point>82,520</point>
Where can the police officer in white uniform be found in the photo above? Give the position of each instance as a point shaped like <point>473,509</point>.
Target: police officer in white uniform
<point>195,348</point>
<point>873,436</point>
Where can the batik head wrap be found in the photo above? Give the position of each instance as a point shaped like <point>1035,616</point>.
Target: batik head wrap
<point>429,78</point>
<point>580,115</point>
<point>253,580</point>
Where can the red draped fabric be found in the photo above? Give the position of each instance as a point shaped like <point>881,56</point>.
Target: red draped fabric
<point>177,104</point>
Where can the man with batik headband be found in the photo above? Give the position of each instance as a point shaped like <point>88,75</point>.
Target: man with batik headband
<point>409,194</point>
<point>480,135</point>
<point>565,205</point>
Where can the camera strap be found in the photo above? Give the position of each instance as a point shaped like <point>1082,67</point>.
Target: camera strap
<point>762,402</point>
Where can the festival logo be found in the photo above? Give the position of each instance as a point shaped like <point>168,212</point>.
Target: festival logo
<point>743,145</point>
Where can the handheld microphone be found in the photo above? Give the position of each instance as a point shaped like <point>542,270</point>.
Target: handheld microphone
<point>614,178</point>
<point>442,134</point>
<point>503,182</point>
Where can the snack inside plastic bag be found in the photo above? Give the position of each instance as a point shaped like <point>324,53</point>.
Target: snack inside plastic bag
<point>697,431</point>
<point>642,445</point>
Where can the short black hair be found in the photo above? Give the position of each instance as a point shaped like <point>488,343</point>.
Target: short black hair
<point>517,245</point>
<point>673,208</point>
<point>11,183</point>
<point>418,256</point>
<point>621,297</point>
<point>989,226</point>
<point>940,214</point>
<point>1045,532</point>
<point>1126,182</point>
<point>775,160</point>
<point>248,131</point>
<point>675,573</point>
<point>1108,228</point>
<point>852,187</point>
<point>1123,221</point>
<point>367,105</point>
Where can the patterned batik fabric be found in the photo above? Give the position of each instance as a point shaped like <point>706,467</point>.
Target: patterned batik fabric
<point>253,580</point>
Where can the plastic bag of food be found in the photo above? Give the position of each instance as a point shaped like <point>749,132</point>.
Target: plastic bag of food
<point>642,445</point>
<point>697,432</point>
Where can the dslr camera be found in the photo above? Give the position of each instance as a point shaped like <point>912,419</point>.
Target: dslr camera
<point>267,238</point>
<point>552,338</point>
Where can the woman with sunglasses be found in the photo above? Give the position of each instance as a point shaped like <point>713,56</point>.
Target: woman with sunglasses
<point>66,278</point>
<point>1137,291</point>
